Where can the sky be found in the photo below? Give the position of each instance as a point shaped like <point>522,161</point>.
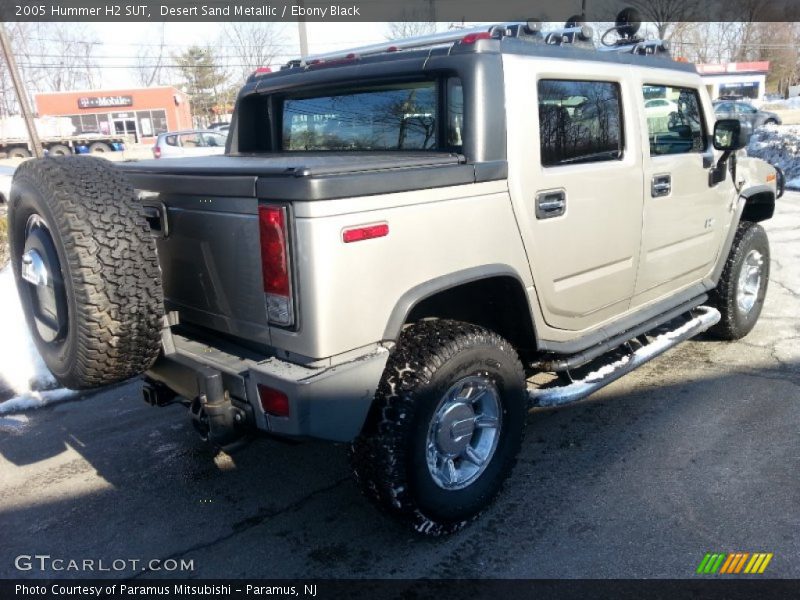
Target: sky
<point>120,41</point>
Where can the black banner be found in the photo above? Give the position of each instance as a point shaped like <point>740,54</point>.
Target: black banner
<point>394,10</point>
<point>578,589</point>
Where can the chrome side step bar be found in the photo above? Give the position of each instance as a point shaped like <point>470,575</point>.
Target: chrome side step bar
<point>704,318</point>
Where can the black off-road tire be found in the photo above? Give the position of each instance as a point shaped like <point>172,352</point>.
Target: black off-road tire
<point>388,457</point>
<point>108,263</point>
<point>735,324</point>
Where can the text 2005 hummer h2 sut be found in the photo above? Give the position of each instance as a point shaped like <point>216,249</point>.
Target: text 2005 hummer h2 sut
<point>406,248</point>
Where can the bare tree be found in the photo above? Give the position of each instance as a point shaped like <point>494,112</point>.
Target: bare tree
<point>253,45</point>
<point>150,69</point>
<point>667,15</point>
<point>408,29</point>
<point>52,57</point>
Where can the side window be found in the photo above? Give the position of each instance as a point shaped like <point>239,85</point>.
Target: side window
<point>678,128</point>
<point>579,121</point>
<point>190,140</point>
<point>171,140</point>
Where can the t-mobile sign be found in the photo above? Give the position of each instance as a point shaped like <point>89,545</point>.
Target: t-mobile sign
<point>104,101</point>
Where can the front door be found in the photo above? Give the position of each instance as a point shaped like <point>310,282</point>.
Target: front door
<point>684,218</point>
<point>576,185</point>
<point>126,126</point>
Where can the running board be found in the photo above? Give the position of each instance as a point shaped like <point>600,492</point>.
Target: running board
<point>704,318</point>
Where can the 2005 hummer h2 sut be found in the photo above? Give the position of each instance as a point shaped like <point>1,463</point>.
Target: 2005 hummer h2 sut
<point>405,247</point>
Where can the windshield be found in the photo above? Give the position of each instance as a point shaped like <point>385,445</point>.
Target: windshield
<point>397,116</point>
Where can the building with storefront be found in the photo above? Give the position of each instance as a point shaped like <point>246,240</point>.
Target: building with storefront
<point>140,113</point>
<point>746,79</point>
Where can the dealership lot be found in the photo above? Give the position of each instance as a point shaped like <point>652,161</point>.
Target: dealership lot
<point>696,452</point>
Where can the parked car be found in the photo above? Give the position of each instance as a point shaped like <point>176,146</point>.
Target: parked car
<point>659,107</point>
<point>221,126</point>
<point>196,142</point>
<point>748,115</point>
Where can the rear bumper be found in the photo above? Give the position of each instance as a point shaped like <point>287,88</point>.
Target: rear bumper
<point>326,403</point>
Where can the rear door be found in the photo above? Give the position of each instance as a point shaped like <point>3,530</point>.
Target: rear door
<point>575,178</point>
<point>684,217</point>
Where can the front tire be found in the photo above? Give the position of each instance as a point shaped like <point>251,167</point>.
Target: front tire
<point>739,295</point>
<point>445,428</point>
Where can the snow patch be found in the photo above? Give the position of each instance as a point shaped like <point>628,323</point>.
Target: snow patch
<point>779,145</point>
<point>14,423</point>
<point>21,367</point>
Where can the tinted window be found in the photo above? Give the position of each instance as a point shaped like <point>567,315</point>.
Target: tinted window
<point>745,108</point>
<point>398,116</point>
<point>171,140</point>
<point>681,130</point>
<point>579,121</point>
<point>723,107</point>
<point>213,140</point>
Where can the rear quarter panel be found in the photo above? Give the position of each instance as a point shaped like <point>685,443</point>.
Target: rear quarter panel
<point>347,292</point>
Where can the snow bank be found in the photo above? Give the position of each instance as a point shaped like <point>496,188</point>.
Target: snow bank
<point>21,368</point>
<point>788,104</point>
<point>779,146</point>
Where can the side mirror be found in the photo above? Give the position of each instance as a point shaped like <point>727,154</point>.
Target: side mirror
<point>728,135</point>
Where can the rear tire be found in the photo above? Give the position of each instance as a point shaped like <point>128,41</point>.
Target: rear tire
<point>739,295</point>
<point>59,150</point>
<point>19,153</point>
<point>445,427</point>
<point>97,319</point>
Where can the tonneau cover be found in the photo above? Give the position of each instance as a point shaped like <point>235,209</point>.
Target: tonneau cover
<point>306,176</point>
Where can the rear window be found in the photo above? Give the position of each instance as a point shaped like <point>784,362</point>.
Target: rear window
<point>579,121</point>
<point>396,116</point>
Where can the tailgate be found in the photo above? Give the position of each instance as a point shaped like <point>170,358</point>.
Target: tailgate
<point>208,246</point>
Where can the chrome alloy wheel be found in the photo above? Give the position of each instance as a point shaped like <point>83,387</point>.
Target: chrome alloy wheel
<point>463,433</point>
<point>749,282</point>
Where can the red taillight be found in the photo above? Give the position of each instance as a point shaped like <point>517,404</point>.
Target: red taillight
<point>273,402</point>
<point>365,233</point>
<point>157,151</point>
<point>471,38</point>
<point>263,70</point>
<point>275,264</point>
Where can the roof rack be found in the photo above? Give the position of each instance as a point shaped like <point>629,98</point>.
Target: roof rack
<point>575,33</point>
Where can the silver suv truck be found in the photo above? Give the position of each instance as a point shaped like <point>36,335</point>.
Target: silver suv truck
<point>405,248</point>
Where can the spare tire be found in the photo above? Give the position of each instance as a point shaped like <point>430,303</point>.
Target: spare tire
<point>86,269</point>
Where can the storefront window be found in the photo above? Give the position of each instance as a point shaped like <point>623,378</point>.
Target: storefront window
<point>159,122</point>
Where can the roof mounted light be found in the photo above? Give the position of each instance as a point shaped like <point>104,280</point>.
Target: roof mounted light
<point>472,38</point>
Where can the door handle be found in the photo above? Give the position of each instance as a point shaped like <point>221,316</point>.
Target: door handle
<point>661,185</point>
<point>551,204</point>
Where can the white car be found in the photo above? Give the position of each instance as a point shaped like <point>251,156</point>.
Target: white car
<point>659,107</point>
<point>198,142</point>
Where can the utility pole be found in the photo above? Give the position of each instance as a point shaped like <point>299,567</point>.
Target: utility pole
<point>301,30</point>
<point>22,96</point>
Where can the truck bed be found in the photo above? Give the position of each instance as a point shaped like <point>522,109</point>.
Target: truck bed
<point>307,175</point>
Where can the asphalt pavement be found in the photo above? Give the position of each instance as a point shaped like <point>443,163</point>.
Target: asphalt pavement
<point>697,451</point>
